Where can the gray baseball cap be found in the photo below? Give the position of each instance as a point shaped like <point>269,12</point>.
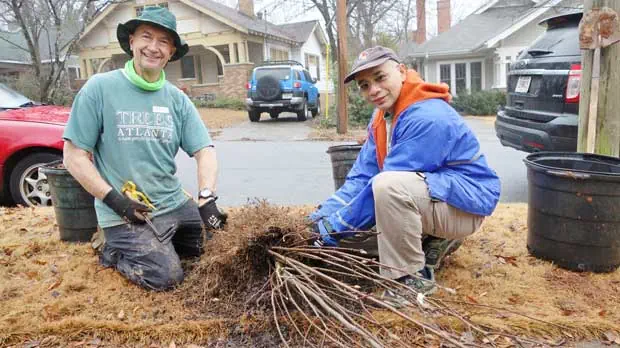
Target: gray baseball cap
<point>370,58</point>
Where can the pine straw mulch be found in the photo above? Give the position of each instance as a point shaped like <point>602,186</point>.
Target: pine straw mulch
<point>55,294</point>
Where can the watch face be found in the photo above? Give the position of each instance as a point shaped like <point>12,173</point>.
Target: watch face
<point>205,193</point>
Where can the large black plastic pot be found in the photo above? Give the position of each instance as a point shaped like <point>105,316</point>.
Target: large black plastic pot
<point>343,157</point>
<point>73,206</point>
<point>574,210</point>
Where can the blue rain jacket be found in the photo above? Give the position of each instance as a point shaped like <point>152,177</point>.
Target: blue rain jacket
<point>429,137</point>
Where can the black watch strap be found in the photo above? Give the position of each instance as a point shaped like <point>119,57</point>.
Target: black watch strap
<point>207,194</point>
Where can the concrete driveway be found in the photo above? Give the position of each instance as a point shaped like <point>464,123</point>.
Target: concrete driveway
<point>272,160</point>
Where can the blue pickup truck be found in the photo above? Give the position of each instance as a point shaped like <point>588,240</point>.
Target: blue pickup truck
<point>282,86</point>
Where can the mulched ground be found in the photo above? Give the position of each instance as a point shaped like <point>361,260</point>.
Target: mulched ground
<point>55,294</point>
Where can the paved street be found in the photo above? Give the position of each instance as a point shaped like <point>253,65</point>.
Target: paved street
<point>270,160</point>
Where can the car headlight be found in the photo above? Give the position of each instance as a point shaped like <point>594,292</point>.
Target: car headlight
<point>287,95</point>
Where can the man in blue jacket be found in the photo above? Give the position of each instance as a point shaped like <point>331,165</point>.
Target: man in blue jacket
<point>425,176</point>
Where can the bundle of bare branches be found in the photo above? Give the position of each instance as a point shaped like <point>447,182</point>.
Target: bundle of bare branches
<point>331,296</point>
<point>320,296</point>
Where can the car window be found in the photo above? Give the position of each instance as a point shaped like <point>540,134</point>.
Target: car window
<point>308,76</point>
<point>11,99</point>
<point>558,41</point>
<point>279,73</point>
<point>298,76</point>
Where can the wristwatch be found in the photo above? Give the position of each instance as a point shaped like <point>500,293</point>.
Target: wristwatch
<point>206,194</point>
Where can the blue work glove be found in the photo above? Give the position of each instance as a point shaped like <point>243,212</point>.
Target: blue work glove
<point>324,234</point>
<point>315,216</point>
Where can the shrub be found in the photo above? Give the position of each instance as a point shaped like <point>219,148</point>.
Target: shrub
<point>62,96</point>
<point>360,111</point>
<point>328,122</point>
<point>480,103</point>
<point>220,103</point>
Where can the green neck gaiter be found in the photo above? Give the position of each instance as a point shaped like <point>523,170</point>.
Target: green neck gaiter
<point>137,80</point>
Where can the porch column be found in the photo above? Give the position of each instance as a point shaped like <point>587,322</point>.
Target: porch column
<point>243,56</point>
<point>83,69</point>
<point>89,68</point>
<point>233,53</point>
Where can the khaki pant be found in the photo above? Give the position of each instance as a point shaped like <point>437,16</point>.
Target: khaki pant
<point>404,211</point>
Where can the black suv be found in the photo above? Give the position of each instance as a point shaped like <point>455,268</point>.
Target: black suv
<point>278,86</point>
<point>542,103</point>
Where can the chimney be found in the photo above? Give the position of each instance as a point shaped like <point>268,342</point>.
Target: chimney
<point>420,33</point>
<point>247,7</point>
<point>444,20</point>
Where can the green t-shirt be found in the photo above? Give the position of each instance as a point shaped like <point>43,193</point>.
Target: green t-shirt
<point>135,135</point>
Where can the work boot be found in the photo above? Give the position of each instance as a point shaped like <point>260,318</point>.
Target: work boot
<point>423,283</point>
<point>436,249</point>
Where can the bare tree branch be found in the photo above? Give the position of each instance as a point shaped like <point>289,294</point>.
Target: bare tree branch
<point>50,30</point>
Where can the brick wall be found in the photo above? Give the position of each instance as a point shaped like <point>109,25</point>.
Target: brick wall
<point>443,16</point>
<point>232,85</point>
<point>420,33</point>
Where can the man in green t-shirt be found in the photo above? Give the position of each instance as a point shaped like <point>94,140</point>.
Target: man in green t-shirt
<point>133,122</point>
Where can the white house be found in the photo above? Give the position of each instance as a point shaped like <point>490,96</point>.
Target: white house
<point>475,53</point>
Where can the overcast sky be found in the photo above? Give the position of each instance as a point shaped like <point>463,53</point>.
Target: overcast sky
<point>280,11</point>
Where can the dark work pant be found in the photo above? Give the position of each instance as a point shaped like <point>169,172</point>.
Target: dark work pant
<point>151,262</point>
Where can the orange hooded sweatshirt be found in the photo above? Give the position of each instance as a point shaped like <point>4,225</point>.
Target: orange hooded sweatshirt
<point>414,90</point>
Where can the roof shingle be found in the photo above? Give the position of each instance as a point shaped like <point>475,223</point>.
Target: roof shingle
<point>299,31</point>
<point>476,29</point>
<point>252,23</point>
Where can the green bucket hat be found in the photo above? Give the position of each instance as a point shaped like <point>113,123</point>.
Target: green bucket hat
<point>159,17</point>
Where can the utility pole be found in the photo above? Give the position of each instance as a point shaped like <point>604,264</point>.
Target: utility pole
<point>341,22</point>
<point>599,120</point>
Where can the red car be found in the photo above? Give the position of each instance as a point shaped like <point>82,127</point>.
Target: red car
<point>30,136</point>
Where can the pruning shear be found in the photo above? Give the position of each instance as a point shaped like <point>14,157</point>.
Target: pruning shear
<point>130,190</point>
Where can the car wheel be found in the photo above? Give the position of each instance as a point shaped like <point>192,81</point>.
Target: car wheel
<point>317,110</point>
<point>254,116</point>
<point>301,114</point>
<point>274,114</point>
<point>28,187</point>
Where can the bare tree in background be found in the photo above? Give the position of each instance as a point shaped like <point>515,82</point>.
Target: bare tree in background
<point>405,12</point>
<point>50,30</point>
<point>366,16</point>
<point>327,9</point>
